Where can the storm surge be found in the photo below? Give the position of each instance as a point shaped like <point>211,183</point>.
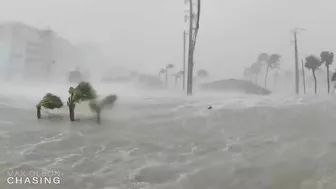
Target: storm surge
<point>159,139</point>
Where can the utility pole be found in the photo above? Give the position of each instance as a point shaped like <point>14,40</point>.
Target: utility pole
<point>184,58</point>
<point>190,50</point>
<point>296,65</point>
<point>192,42</point>
<point>297,88</point>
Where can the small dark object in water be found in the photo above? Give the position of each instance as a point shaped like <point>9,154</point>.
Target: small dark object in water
<point>210,107</point>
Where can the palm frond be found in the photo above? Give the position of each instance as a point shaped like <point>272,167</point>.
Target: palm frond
<point>96,105</point>
<point>83,92</point>
<point>50,101</point>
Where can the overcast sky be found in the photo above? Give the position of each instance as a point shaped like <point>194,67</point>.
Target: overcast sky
<point>148,33</point>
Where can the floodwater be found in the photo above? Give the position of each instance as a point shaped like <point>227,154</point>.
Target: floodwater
<point>155,140</point>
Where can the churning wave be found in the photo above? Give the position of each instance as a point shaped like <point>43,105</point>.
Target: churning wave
<point>159,140</point>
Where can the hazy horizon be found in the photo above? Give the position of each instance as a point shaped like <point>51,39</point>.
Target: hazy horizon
<point>148,34</point>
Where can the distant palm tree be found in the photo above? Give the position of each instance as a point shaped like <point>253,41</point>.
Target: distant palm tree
<point>162,71</point>
<point>272,62</point>
<point>263,57</point>
<point>202,73</point>
<point>169,66</point>
<point>177,76</point>
<point>313,63</point>
<point>327,58</point>
<point>256,69</point>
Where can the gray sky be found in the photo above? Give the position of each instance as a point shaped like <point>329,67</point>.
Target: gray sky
<point>148,33</point>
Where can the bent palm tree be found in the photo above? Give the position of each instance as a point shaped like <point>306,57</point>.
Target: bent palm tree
<point>313,63</point>
<point>97,106</point>
<point>272,62</point>
<point>327,58</point>
<point>83,92</point>
<point>49,101</point>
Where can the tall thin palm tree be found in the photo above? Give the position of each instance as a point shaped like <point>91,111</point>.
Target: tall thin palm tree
<point>313,63</point>
<point>169,66</point>
<point>327,58</point>
<point>272,62</point>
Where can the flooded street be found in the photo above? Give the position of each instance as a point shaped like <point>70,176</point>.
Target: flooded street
<point>243,142</point>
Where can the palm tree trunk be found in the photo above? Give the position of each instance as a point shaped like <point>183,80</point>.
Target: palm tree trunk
<point>315,81</point>
<point>328,79</point>
<point>266,76</point>
<point>72,112</point>
<point>38,112</point>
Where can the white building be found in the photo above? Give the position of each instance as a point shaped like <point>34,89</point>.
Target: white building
<point>27,52</point>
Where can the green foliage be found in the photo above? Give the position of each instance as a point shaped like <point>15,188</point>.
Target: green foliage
<point>312,62</point>
<point>50,101</point>
<point>83,92</point>
<point>327,57</point>
<point>96,105</point>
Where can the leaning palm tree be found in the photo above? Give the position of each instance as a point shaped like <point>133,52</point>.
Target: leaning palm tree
<point>98,105</point>
<point>313,63</point>
<point>49,101</point>
<point>272,62</point>
<point>83,92</point>
<point>327,58</point>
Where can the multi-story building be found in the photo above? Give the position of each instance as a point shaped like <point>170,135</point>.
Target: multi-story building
<point>27,52</point>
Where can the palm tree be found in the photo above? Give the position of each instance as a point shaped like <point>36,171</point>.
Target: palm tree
<point>327,58</point>
<point>162,71</point>
<point>313,63</point>
<point>83,92</point>
<point>256,69</point>
<point>272,62</point>
<point>177,76</point>
<point>169,66</point>
<point>97,106</point>
<point>263,57</point>
<point>202,73</point>
<point>49,101</point>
